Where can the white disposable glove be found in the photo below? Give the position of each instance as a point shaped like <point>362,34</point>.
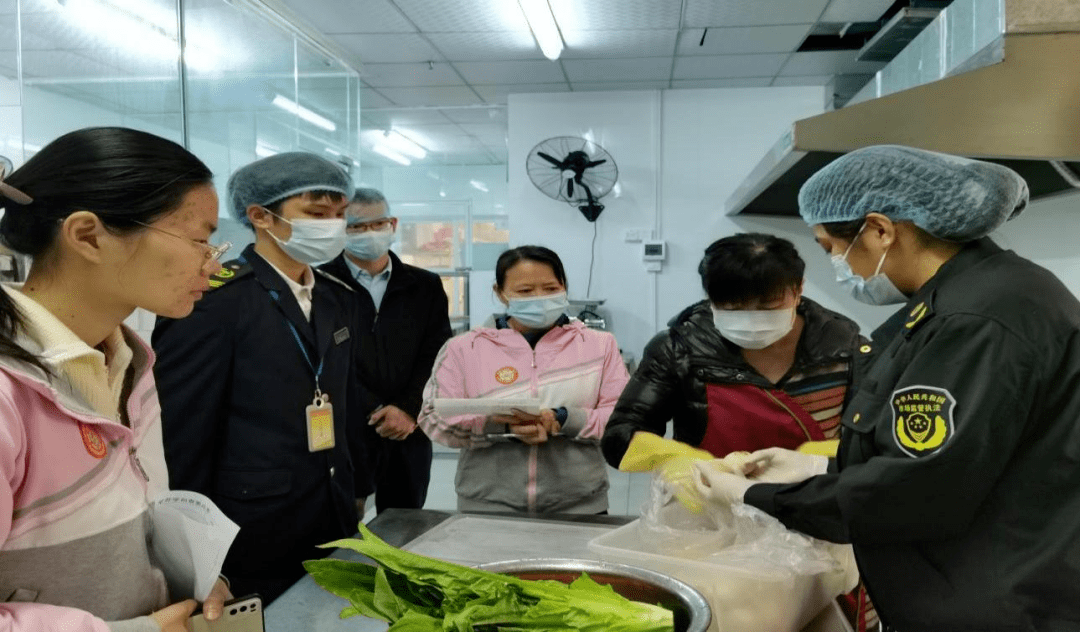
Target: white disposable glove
<point>717,484</point>
<point>779,465</point>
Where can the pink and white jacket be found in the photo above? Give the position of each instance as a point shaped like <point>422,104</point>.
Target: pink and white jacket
<point>572,367</point>
<point>74,524</point>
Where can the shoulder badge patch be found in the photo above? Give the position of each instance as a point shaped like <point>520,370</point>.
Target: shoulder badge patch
<point>506,375</point>
<point>922,419</point>
<point>918,313</point>
<point>93,441</point>
<point>229,271</point>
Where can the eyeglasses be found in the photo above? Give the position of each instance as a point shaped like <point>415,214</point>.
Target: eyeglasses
<point>213,253</point>
<point>363,227</point>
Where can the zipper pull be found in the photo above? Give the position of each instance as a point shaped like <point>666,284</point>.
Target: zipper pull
<point>138,464</point>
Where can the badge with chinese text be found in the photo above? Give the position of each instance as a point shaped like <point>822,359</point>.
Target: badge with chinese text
<point>320,424</point>
<point>922,419</point>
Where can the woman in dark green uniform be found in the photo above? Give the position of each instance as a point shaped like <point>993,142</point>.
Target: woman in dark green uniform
<point>958,476</point>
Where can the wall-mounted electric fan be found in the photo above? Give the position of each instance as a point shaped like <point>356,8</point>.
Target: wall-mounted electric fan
<point>574,170</point>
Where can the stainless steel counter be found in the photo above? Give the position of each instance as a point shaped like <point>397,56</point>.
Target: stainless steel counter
<point>306,606</point>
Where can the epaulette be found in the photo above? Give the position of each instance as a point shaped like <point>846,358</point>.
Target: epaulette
<point>330,277</point>
<point>230,271</point>
<point>918,315</point>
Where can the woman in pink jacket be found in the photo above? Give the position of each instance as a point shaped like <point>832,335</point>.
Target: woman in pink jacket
<point>546,463</point>
<point>115,219</point>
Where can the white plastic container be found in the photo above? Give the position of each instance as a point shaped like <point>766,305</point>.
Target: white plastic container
<point>744,596</point>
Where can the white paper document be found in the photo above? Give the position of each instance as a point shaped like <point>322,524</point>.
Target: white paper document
<point>191,538</point>
<point>490,406</point>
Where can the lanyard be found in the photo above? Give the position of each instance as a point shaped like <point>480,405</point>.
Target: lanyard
<point>303,349</point>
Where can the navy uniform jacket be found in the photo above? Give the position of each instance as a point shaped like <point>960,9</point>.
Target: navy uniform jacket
<point>959,463</point>
<point>234,386</point>
<point>400,342</point>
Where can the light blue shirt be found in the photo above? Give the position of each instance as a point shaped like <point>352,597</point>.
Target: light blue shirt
<point>375,285</point>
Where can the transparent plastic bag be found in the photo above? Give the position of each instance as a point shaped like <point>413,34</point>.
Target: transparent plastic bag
<point>757,574</point>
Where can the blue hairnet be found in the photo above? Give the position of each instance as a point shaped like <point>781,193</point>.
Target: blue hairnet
<point>282,176</point>
<point>952,198</point>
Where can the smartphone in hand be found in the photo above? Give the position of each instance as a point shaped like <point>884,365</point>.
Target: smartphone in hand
<point>243,614</point>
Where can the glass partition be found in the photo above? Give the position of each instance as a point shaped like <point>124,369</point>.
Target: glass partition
<point>10,90</point>
<point>92,62</point>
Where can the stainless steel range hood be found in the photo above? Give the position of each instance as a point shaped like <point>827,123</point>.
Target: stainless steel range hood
<point>1022,110</point>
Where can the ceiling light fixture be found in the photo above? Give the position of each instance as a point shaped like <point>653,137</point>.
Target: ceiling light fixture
<point>386,151</point>
<point>292,107</point>
<point>403,144</point>
<point>265,151</point>
<point>479,186</point>
<point>544,28</point>
<point>332,152</point>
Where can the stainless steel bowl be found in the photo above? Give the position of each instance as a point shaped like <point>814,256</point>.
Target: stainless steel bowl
<point>692,613</point>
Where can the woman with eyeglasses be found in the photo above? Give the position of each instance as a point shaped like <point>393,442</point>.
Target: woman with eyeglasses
<point>115,219</point>
<point>539,461</point>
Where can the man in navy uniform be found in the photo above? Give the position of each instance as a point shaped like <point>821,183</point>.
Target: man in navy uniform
<point>404,321</point>
<point>257,387</point>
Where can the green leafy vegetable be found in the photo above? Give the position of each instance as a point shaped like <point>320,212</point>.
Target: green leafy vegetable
<point>420,594</point>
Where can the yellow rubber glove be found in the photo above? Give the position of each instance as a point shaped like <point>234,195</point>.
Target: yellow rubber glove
<point>824,448</point>
<point>648,451</point>
<point>674,461</point>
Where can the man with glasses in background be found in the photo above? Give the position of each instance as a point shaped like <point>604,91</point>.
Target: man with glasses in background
<point>256,385</point>
<point>404,321</point>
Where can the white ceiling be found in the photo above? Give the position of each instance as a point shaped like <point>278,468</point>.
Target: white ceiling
<point>447,57</point>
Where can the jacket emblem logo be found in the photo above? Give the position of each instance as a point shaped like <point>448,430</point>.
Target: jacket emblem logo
<point>92,440</point>
<point>506,375</point>
<point>922,419</point>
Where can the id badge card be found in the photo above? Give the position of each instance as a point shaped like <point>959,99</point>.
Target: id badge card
<point>320,424</point>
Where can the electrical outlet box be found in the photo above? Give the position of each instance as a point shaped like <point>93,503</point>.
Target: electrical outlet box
<point>652,250</point>
<point>637,235</point>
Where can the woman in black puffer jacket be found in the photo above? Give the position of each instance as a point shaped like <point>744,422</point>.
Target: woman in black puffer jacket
<point>756,365</point>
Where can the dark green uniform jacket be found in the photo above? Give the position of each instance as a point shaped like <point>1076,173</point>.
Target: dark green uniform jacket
<point>959,466</point>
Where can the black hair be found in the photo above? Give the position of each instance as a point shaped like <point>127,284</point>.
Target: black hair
<point>539,254</point>
<point>848,231</point>
<point>316,195</point>
<point>749,266</point>
<point>844,230</point>
<point>124,176</point>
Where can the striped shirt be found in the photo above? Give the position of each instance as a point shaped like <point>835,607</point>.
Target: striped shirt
<point>820,392</point>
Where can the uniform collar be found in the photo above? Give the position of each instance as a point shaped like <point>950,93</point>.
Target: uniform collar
<point>358,272</point>
<point>308,279</point>
<point>921,304</point>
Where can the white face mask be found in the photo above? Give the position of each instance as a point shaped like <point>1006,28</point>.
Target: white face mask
<point>877,290</point>
<point>370,245</point>
<point>313,241</point>
<point>754,328</point>
<point>537,312</point>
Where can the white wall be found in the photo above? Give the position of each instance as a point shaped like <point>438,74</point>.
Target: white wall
<point>1046,234</point>
<point>680,154</point>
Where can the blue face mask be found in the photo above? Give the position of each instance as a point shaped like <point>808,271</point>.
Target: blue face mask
<point>877,290</point>
<point>370,245</point>
<point>313,241</point>
<point>538,312</point>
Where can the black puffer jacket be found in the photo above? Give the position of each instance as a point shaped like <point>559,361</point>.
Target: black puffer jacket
<point>678,363</point>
